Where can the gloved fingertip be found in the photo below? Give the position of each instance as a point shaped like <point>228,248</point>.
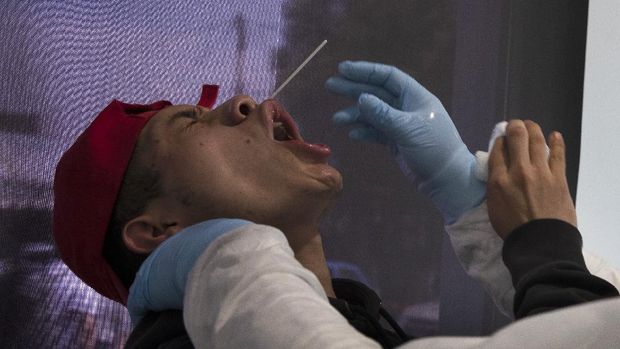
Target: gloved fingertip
<point>341,118</point>
<point>356,134</point>
<point>364,134</point>
<point>344,66</point>
<point>327,87</point>
<point>332,85</point>
<point>364,98</point>
<point>368,102</point>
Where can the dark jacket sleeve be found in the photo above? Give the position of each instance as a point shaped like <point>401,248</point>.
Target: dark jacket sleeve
<point>160,330</point>
<point>548,271</point>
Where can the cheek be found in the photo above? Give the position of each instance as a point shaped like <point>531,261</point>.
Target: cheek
<point>243,163</point>
<point>220,162</point>
<point>242,154</point>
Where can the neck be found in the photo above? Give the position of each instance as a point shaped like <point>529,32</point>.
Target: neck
<point>308,248</point>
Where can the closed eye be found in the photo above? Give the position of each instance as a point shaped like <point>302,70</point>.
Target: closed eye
<point>191,114</point>
<point>187,113</point>
<point>189,124</point>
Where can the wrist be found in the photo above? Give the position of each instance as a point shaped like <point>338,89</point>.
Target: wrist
<point>539,242</point>
<point>455,189</point>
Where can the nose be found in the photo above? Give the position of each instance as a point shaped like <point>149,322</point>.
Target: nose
<point>240,107</point>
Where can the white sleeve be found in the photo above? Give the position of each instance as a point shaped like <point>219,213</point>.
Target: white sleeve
<point>247,290</point>
<point>479,249</point>
<point>601,268</point>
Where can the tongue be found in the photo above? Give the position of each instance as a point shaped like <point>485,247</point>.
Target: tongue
<point>316,151</point>
<point>323,147</point>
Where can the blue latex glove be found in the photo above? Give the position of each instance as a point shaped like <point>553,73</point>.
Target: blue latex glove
<point>160,282</point>
<point>394,109</point>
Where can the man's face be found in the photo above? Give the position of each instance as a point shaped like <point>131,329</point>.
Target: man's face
<point>235,161</point>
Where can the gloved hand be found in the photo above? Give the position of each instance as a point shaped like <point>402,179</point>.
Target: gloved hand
<point>160,282</point>
<point>394,109</point>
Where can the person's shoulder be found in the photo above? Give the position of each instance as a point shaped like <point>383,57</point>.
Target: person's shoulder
<point>358,293</point>
<point>362,307</point>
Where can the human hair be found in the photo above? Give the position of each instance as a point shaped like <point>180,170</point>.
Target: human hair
<point>140,185</point>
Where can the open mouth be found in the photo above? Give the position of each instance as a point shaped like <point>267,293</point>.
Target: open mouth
<point>283,127</point>
<point>280,133</point>
<point>283,130</point>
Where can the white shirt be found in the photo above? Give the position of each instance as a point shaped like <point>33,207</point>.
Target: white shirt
<point>247,290</point>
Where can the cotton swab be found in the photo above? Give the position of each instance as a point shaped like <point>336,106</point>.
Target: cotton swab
<point>298,69</point>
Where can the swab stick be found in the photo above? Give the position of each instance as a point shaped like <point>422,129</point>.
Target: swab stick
<point>290,77</point>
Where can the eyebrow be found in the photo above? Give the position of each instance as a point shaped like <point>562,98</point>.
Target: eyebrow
<point>188,113</point>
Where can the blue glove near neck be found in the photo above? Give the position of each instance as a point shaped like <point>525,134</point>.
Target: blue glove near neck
<point>394,109</point>
<point>160,282</point>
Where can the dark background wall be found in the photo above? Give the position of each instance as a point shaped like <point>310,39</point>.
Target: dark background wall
<point>514,59</point>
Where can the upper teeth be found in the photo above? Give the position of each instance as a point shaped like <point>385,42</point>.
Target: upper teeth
<point>279,131</point>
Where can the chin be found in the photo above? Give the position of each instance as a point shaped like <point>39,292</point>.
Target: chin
<point>332,188</point>
<point>330,180</point>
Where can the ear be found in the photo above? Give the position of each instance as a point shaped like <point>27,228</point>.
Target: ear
<point>144,233</point>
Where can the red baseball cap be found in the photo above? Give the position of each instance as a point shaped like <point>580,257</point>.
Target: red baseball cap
<point>87,182</point>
